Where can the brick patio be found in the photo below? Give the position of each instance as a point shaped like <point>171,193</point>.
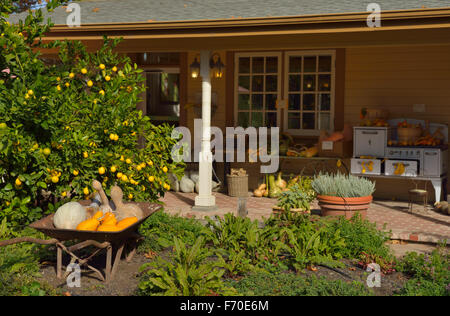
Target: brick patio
<point>419,226</point>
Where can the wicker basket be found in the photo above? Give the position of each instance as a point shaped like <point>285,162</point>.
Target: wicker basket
<point>408,135</point>
<point>237,186</point>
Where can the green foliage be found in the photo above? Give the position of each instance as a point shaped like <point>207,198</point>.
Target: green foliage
<point>290,284</point>
<point>342,185</point>
<point>295,198</point>
<point>189,273</point>
<point>66,123</point>
<point>362,236</point>
<point>160,228</point>
<point>19,268</point>
<point>430,274</point>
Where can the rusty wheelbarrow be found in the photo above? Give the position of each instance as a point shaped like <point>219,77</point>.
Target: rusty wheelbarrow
<point>101,240</point>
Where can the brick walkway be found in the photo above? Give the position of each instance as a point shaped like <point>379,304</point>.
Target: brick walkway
<point>419,226</point>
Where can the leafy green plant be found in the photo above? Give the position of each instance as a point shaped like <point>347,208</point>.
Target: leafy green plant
<point>362,236</point>
<point>430,274</point>
<point>290,284</point>
<point>295,198</point>
<point>189,273</point>
<point>160,228</point>
<point>342,185</point>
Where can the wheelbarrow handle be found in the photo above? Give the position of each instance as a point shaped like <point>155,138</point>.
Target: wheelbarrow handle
<point>27,239</point>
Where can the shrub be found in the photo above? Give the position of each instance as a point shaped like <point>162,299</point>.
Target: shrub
<point>295,198</point>
<point>430,274</point>
<point>189,274</point>
<point>362,236</point>
<point>290,284</point>
<point>160,228</point>
<point>342,185</point>
<point>66,123</point>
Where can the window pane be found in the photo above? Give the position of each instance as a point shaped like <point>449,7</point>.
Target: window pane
<point>257,83</point>
<point>244,102</point>
<point>257,102</point>
<point>309,121</point>
<point>294,120</point>
<point>309,83</point>
<point>271,83</point>
<point>244,65</point>
<point>244,83</point>
<point>309,102</point>
<point>257,119</point>
<point>325,64</point>
<point>243,119</point>
<point>324,82</point>
<point>295,64</point>
<point>271,119</point>
<point>258,65</point>
<point>294,102</point>
<point>324,121</point>
<point>294,83</point>
<point>310,64</point>
<point>325,102</point>
<point>272,64</point>
<point>271,102</point>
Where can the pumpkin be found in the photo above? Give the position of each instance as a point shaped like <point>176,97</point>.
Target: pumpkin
<point>126,222</point>
<point>311,152</point>
<point>89,225</point>
<point>187,185</point>
<point>69,215</point>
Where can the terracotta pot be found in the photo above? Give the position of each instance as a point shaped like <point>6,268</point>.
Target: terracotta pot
<point>348,207</point>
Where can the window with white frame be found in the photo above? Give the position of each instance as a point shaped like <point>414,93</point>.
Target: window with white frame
<point>309,91</point>
<point>257,89</point>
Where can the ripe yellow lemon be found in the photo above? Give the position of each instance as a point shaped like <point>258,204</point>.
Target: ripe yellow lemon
<point>107,78</point>
<point>46,151</point>
<point>112,136</point>
<point>124,178</point>
<point>86,190</point>
<point>85,154</point>
<point>64,194</point>
<point>139,168</point>
<point>75,172</point>
<point>150,163</point>
<point>30,92</point>
<point>114,69</point>
<point>18,182</point>
<point>71,75</point>
<point>130,196</point>
<point>55,179</point>
<point>128,161</point>
<point>101,170</point>
<point>119,175</point>
<point>165,169</point>
<point>102,66</point>
<point>102,92</point>
<point>90,83</point>
<point>84,71</point>
<point>113,169</point>
<point>151,178</point>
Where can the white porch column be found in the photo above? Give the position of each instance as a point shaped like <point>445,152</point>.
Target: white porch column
<point>205,200</point>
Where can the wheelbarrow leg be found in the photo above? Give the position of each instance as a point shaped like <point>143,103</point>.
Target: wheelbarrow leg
<point>108,263</point>
<point>58,262</point>
<point>116,262</point>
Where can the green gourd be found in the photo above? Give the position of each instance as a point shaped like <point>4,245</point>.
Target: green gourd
<point>274,191</point>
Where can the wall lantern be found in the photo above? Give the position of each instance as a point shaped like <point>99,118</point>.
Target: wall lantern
<point>195,69</point>
<point>216,66</point>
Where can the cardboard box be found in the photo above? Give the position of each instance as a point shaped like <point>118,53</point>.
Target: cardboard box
<point>339,149</point>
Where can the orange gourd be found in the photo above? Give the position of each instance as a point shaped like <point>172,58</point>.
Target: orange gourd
<point>108,228</point>
<point>126,222</point>
<point>88,225</point>
<point>98,215</point>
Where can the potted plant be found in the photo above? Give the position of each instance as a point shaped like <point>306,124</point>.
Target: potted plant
<point>294,200</point>
<point>343,195</point>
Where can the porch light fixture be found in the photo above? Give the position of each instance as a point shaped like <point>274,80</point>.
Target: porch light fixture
<point>215,64</point>
<point>195,69</point>
<point>217,67</point>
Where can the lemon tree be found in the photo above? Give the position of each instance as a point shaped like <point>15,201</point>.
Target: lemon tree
<point>66,122</point>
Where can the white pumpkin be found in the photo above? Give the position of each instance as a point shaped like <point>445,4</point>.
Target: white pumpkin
<point>69,215</point>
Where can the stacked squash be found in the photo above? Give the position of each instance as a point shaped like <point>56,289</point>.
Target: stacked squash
<point>106,223</point>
